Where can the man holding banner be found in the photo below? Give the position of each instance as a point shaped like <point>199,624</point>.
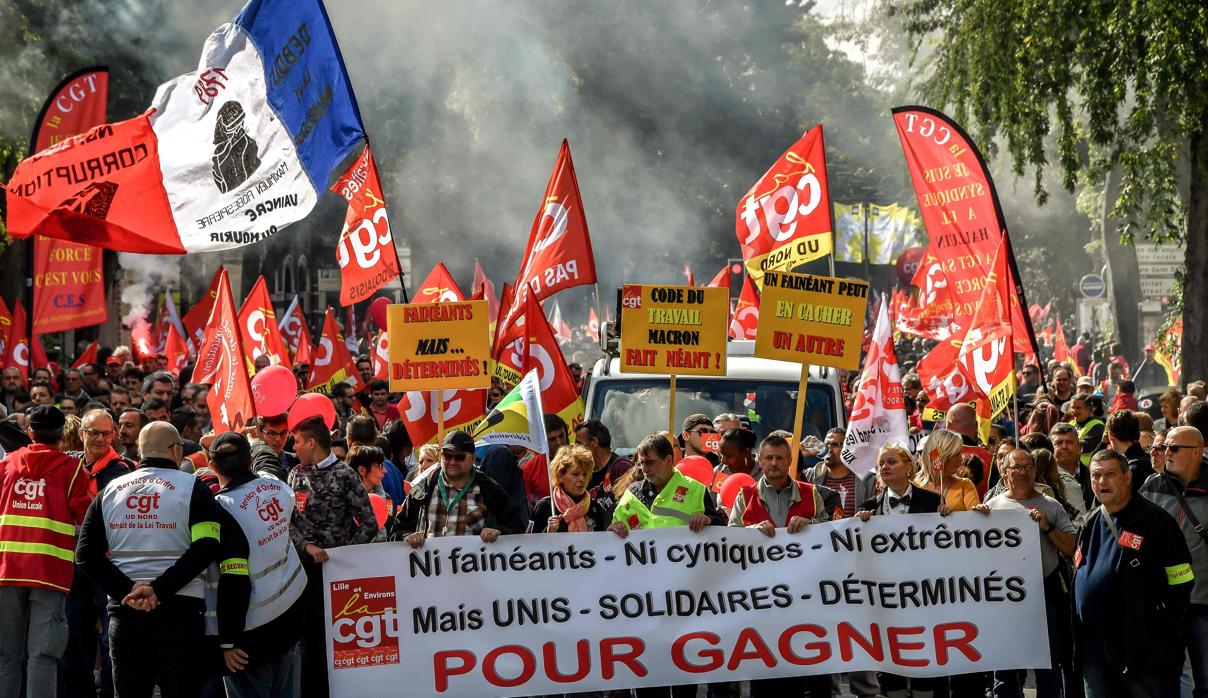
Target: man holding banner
<point>457,499</point>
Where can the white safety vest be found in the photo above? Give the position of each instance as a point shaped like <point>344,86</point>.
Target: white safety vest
<point>146,516</point>
<point>262,507</point>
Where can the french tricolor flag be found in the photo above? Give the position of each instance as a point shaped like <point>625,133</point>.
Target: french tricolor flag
<point>227,155</point>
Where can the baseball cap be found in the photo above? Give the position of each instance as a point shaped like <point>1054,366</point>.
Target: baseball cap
<point>1150,347</point>
<point>46,418</point>
<point>1087,381</point>
<point>156,441</point>
<point>113,361</point>
<point>458,441</point>
<point>230,444</point>
<point>695,420</point>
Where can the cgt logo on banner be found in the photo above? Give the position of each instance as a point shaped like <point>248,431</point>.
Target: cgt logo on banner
<point>913,595</point>
<point>365,623</point>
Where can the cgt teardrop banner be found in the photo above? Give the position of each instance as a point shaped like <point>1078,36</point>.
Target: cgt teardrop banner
<point>964,221</point>
<point>69,283</point>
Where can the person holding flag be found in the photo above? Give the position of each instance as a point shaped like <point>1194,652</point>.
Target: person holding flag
<point>571,508</point>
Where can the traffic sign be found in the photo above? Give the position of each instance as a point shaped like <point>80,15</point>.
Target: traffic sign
<point>1092,286</point>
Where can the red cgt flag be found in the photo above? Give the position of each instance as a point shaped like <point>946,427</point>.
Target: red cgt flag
<point>16,351</point>
<point>195,320</point>
<point>482,285</point>
<point>542,353</point>
<point>220,362</point>
<point>331,363</point>
<point>293,325</point>
<point>366,254</point>
<point>558,255</point>
<point>176,351</point>
<point>258,327</point>
<point>381,356</point>
<point>784,220</point>
<point>439,287</point>
<point>721,279</point>
<point>746,316</point>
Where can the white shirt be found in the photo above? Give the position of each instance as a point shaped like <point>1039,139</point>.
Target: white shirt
<point>900,507</point>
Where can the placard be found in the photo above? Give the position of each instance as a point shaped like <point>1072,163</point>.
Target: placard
<point>807,319</point>
<point>678,330</point>
<point>439,346</point>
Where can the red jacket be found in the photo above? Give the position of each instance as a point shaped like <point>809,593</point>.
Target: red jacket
<point>43,497</point>
<point>757,512</point>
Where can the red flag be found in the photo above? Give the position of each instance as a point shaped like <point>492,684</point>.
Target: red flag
<point>688,274</point>
<point>258,327</point>
<point>505,302</point>
<point>38,356</point>
<point>6,329</point>
<point>483,285</point>
<point>176,351</point>
<point>195,320</point>
<point>558,255</point>
<point>784,220</point>
<point>1061,351</point>
<point>305,351</point>
<point>437,288</point>
<point>960,210</point>
<point>593,324</point>
<point>366,254</point>
<point>987,350</point>
<point>220,362</point>
<point>17,351</point>
<point>542,353</point>
<point>89,355</point>
<point>721,279</point>
<point>746,316</point>
<point>462,409</point>
<point>69,285</point>
<point>381,356</point>
<point>292,325</point>
<point>331,361</point>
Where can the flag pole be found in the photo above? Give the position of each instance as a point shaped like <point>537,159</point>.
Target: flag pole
<point>671,409</point>
<point>799,417</point>
<point>440,414</point>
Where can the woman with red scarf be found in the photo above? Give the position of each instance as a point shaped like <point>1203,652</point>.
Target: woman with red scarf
<point>570,508</point>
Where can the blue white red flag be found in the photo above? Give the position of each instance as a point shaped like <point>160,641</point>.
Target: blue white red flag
<point>227,155</point>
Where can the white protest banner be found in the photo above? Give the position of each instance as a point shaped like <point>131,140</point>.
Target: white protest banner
<point>915,595</point>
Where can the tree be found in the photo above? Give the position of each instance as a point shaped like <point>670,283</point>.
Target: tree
<point>1122,87</point>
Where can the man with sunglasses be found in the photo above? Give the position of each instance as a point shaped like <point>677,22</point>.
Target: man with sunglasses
<point>1029,383</point>
<point>1182,490</point>
<point>693,432</point>
<point>457,499</point>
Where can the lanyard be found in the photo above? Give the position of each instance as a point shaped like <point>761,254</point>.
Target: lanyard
<point>1110,523</point>
<point>444,493</point>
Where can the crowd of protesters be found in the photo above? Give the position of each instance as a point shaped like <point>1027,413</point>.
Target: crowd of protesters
<point>91,607</point>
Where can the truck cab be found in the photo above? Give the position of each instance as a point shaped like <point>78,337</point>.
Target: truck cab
<point>763,391</point>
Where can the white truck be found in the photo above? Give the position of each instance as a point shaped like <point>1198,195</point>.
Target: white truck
<point>762,390</point>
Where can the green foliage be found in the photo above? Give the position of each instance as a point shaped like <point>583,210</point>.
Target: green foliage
<point>10,155</point>
<point>1115,83</point>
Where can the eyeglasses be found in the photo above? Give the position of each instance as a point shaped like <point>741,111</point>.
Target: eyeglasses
<point>1174,448</point>
<point>272,433</point>
<point>457,457</point>
<point>1017,466</point>
<point>834,444</point>
<point>97,432</point>
<point>702,430</point>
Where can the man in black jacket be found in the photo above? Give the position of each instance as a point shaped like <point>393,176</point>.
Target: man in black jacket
<point>458,500</point>
<point>145,540</point>
<point>1124,436</point>
<point>1131,589</point>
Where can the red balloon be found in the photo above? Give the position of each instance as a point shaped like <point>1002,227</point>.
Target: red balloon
<point>732,485</point>
<point>312,405</point>
<point>273,390</point>
<point>698,468</point>
<point>377,311</point>
<point>381,510</point>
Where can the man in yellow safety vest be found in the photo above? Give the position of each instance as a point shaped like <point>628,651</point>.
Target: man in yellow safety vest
<point>665,497</point>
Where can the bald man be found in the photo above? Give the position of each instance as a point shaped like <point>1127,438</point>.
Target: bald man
<point>962,419</point>
<point>1182,490</point>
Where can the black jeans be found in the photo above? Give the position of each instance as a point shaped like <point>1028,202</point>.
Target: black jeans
<point>314,636</point>
<point>161,647</point>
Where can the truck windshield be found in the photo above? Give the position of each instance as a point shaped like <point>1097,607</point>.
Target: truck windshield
<point>634,408</point>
